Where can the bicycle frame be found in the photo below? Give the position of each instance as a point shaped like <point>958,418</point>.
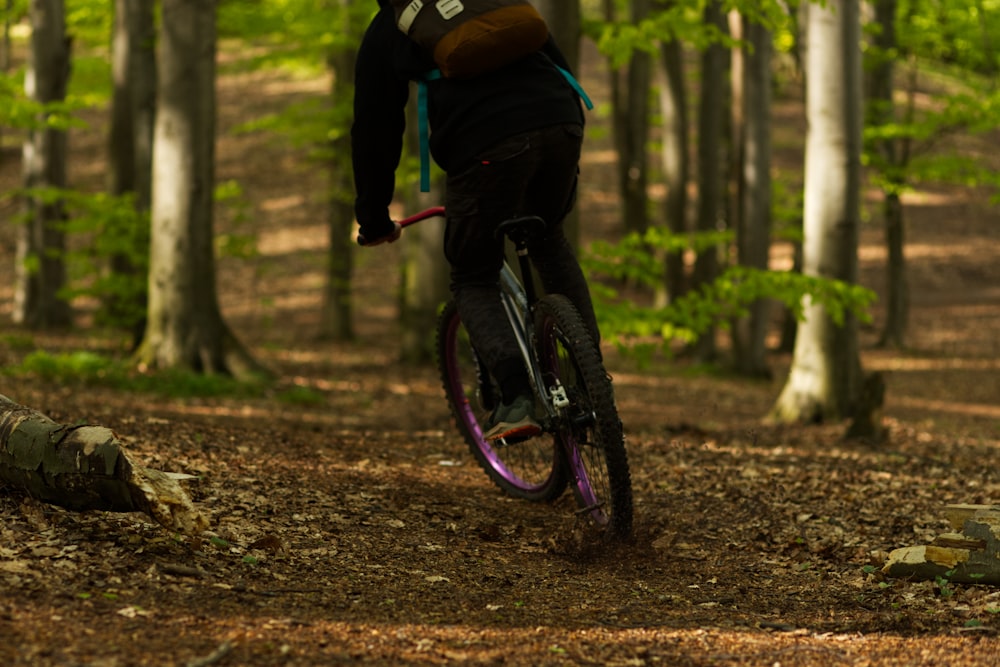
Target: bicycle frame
<point>518,299</point>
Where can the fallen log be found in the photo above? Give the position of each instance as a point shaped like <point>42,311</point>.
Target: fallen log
<point>87,468</point>
<point>971,556</point>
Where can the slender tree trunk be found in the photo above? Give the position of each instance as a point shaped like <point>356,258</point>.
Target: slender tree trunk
<point>41,271</point>
<point>825,377</point>
<point>898,302</point>
<point>5,61</point>
<point>676,165</point>
<point>337,316</point>
<point>565,23</point>
<point>130,142</point>
<point>753,238</point>
<point>425,273</point>
<point>737,79</point>
<point>711,214</point>
<point>186,328</point>
<point>5,46</point>
<point>891,159</point>
<point>630,111</point>
<point>133,101</point>
<point>789,322</point>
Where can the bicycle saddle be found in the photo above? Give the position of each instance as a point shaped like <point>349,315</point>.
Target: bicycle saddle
<point>520,228</point>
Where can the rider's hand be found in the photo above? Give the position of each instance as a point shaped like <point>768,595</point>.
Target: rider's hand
<point>388,238</point>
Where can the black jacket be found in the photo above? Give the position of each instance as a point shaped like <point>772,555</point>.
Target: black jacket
<point>466,116</point>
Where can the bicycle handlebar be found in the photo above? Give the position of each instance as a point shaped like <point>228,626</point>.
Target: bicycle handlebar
<point>433,212</point>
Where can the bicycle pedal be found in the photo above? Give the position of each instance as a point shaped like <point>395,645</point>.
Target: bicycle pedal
<point>517,437</point>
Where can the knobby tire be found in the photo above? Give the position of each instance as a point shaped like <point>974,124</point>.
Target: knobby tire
<point>590,430</point>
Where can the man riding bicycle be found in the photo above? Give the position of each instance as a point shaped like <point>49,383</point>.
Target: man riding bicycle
<point>509,142</point>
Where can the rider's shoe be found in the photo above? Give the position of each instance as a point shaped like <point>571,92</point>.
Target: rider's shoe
<point>513,422</point>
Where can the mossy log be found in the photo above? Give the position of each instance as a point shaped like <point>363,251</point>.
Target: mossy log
<point>87,468</point>
<point>971,556</point>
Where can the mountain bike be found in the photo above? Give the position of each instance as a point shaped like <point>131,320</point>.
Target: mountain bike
<point>582,444</point>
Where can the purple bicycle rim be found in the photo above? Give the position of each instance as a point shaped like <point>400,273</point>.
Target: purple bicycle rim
<point>469,417</point>
<point>578,469</point>
<point>582,482</point>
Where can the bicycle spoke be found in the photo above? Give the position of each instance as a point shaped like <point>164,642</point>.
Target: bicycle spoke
<point>531,469</point>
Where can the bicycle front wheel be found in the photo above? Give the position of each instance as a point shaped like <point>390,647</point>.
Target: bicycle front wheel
<point>533,469</point>
<point>589,427</point>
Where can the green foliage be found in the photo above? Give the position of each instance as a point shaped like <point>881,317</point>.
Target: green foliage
<point>712,305</point>
<point>303,396</point>
<point>301,35</point>
<point>235,244</point>
<point>786,211</point>
<point>88,23</point>
<point>108,228</point>
<point>295,34</point>
<point>18,341</point>
<point>681,20</point>
<point>945,53</point>
<point>82,368</point>
<point>104,227</point>
<point>311,124</point>
<point>631,260</point>
<point>953,32</point>
<point>18,111</point>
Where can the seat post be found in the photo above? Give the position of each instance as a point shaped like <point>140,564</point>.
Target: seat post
<point>518,230</point>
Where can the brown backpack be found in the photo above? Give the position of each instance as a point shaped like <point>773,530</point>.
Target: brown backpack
<point>472,37</point>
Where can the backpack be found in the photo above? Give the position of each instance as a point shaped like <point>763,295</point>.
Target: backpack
<point>472,37</point>
<point>468,38</point>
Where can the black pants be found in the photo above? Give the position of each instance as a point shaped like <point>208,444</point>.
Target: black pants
<point>534,173</point>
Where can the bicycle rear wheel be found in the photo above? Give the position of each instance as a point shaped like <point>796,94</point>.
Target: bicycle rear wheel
<point>589,427</point>
<point>532,469</point>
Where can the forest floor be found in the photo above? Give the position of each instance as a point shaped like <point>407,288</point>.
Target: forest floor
<point>359,529</point>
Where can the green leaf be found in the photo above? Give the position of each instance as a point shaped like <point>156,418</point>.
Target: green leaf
<point>219,542</point>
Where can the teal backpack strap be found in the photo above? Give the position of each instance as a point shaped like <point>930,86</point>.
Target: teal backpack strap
<point>577,87</point>
<point>424,129</point>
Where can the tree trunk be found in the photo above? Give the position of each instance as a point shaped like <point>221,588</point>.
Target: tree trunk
<point>8,8</point>
<point>425,273</point>
<point>5,60</point>
<point>130,140</point>
<point>565,23</point>
<point>891,159</point>
<point>825,376</point>
<point>676,166</point>
<point>336,315</point>
<point>133,101</point>
<point>40,268</point>
<point>564,20</point>
<point>86,468</point>
<point>898,301</point>
<point>630,111</point>
<point>753,238</point>
<point>711,163</point>
<point>186,329</point>
<point>737,109</point>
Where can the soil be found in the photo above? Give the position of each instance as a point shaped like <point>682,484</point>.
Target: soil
<point>359,529</point>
